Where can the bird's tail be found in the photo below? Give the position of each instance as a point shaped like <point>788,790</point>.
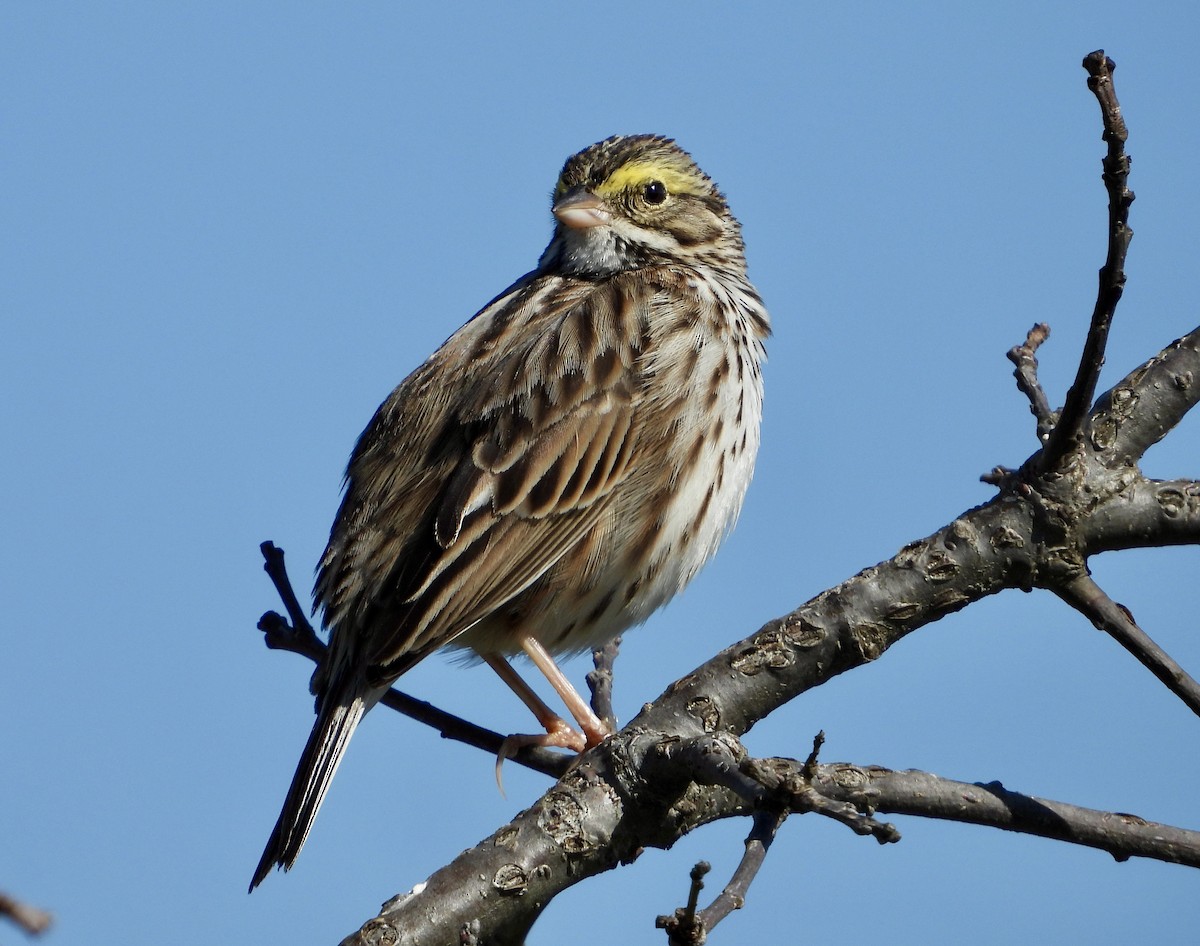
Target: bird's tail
<point>336,721</point>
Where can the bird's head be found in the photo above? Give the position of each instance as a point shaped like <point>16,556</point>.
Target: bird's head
<point>638,200</point>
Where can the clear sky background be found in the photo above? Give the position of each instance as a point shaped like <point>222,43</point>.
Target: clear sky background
<point>230,229</point>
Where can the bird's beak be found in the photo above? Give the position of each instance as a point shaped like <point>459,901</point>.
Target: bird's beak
<point>579,210</point>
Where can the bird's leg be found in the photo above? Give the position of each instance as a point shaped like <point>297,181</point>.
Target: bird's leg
<point>558,733</point>
<point>594,731</point>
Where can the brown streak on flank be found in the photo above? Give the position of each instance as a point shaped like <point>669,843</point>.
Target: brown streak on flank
<point>708,495</point>
<point>717,381</point>
<point>566,631</point>
<point>637,553</point>
<point>691,360</point>
<point>598,611</point>
<point>692,459</point>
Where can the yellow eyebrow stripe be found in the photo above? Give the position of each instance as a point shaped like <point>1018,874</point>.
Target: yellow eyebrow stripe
<point>636,173</point>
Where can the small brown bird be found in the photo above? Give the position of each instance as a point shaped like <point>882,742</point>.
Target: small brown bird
<point>560,468</point>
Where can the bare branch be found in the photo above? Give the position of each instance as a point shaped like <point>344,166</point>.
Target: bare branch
<point>682,927</point>
<point>930,796</point>
<point>1069,431</point>
<point>733,897</point>
<point>600,681</point>
<point>1147,514</point>
<point>1087,597</point>
<point>280,635</point>
<point>614,803</point>
<point>32,920</point>
<point>1024,356</point>
<point>1139,411</point>
<point>302,630</point>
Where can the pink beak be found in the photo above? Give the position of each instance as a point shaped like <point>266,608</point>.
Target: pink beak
<point>580,210</point>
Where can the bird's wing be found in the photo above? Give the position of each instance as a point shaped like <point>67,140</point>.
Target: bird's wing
<point>530,418</point>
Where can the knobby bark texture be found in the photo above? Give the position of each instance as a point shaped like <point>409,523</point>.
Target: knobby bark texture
<point>680,764</point>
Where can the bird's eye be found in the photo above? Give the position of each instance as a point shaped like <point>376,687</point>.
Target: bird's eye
<point>655,192</point>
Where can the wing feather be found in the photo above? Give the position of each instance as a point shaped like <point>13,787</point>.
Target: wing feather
<point>524,425</point>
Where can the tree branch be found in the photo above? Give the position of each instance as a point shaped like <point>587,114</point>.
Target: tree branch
<point>1024,356</point>
<point>689,928</point>
<point>32,920</point>
<point>930,796</point>
<point>1139,411</point>
<point>1147,514</point>
<point>1086,596</point>
<point>1069,430</point>
<point>615,803</point>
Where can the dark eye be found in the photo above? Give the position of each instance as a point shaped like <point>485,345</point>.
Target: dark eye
<point>655,192</point>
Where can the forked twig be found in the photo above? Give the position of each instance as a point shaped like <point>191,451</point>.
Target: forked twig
<point>683,927</point>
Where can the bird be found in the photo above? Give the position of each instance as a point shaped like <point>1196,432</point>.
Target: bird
<point>558,469</point>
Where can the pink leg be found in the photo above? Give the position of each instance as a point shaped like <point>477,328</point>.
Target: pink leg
<point>558,733</point>
<point>594,731</point>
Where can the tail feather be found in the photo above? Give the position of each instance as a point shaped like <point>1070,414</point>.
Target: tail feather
<point>336,722</point>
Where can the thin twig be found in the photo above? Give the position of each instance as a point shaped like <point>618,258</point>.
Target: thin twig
<point>273,565</point>
<point>808,798</point>
<point>733,897</point>
<point>682,927</point>
<point>1024,356</point>
<point>1073,418</point>
<point>793,786</point>
<point>600,681</point>
<point>1083,594</point>
<point>280,635</point>
<point>716,759</point>
<point>32,920</point>
<point>810,764</point>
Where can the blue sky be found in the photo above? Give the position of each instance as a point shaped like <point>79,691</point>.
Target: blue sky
<point>231,229</point>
